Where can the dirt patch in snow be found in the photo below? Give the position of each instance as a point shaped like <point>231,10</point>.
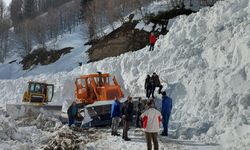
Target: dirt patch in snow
<point>162,18</point>
<point>124,39</point>
<point>43,57</point>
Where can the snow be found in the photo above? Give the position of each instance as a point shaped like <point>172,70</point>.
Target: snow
<point>68,62</point>
<point>203,63</point>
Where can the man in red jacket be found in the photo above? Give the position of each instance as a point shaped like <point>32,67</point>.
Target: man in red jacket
<point>152,40</point>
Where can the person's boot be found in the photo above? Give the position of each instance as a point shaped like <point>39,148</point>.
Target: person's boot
<point>127,139</point>
<point>164,134</point>
<point>116,134</point>
<point>112,133</point>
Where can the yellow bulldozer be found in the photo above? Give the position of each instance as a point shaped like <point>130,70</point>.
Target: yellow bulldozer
<point>38,93</point>
<point>35,99</point>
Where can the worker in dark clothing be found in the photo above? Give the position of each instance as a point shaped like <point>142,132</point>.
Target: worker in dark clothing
<point>127,116</point>
<point>140,109</point>
<point>156,83</point>
<point>152,40</point>
<point>148,86</point>
<point>165,112</point>
<point>72,113</point>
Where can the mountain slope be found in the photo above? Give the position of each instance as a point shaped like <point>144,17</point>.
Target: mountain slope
<point>204,65</point>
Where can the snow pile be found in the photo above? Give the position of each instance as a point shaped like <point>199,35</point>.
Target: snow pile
<point>27,133</point>
<point>204,65</point>
<point>8,130</point>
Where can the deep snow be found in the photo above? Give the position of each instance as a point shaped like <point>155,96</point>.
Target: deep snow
<point>204,65</point>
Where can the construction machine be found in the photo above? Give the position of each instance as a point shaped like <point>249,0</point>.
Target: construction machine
<point>38,93</point>
<point>37,96</point>
<point>95,92</point>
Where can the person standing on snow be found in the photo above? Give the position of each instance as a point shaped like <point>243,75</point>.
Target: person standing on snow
<point>156,83</point>
<point>151,123</point>
<point>72,113</point>
<point>115,115</point>
<point>152,40</point>
<point>139,112</point>
<point>127,116</point>
<point>165,111</point>
<point>148,86</point>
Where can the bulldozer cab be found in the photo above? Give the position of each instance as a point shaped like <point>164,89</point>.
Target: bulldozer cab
<point>39,93</point>
<point>96,87</point>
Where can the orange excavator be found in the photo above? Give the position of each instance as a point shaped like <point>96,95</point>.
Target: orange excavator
<point>96,92</point>
<point>96,87</point>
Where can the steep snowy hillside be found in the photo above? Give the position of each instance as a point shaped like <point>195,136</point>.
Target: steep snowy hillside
<point>68,62</point>
<point>204,65</point>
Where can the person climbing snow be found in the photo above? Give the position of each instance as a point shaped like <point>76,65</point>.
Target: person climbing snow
<point>72,113</point>
<point>151,123</point>
<point>156,83</point>
<point>115,115</point>
<point>165,111</point>
<point>148,86</point>
<point>152,40</point>
<point>127,116</point>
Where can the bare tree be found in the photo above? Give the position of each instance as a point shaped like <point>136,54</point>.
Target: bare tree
<point>208,2</point>
<point>16,11</point>
<point>39,30</point>
<point>177,3</point>
<point>4,33</point>
<point>25,36</point>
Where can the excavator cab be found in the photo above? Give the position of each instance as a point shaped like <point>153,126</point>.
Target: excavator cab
<point>38,93</point>
<point>97,87</point>
<point>95,92</point>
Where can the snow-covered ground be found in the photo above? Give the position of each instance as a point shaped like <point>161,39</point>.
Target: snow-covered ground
<point>68,62</point>
<point>204,65</point>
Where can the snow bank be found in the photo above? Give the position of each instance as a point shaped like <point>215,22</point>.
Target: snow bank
<point>203,63</point>
<point>27,132</point>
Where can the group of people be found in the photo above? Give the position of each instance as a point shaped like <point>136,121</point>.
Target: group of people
<point>148,117</point>
<point>151,82</point>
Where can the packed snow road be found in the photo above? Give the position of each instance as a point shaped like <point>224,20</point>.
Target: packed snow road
<point>138,142</point>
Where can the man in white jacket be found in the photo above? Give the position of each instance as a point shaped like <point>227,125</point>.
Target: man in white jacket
<point>151,123</point>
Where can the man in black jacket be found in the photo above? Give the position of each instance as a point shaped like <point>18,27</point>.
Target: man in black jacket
<point>148,86</point>
<point>127,116</point>
<point>140,109</point>
<point>156,83</point>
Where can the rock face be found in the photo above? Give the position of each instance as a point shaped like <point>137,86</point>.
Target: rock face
<point>126,38</point>
<point>122,40</point>
<point>43,57</point>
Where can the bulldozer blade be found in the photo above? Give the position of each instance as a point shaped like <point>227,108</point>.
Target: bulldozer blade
<point>26,110</point>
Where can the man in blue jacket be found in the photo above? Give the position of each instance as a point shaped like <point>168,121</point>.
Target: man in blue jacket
<point>115,115</point>
<point>165,111</point>
<point>72,113</point>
